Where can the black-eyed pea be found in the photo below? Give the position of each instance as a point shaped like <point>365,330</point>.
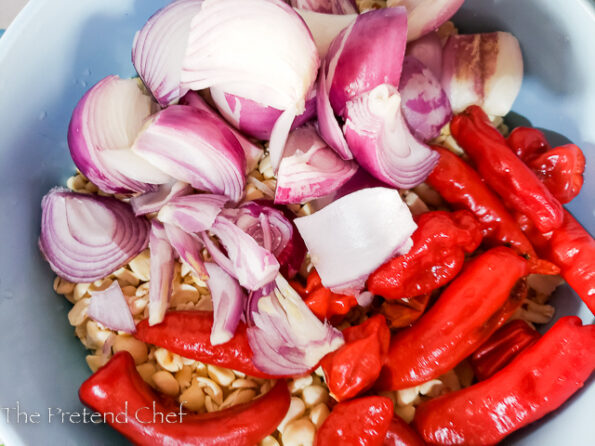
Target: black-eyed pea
<point>244,383</point>
<point>223,377</point>
<point>408,396</point>
<point>126,277</point>
<point>188,361</point>
<point>200,369</point>
<point>78,313</point>
<point>318,414</point>
<point>146,371</point>
<point>91,188</point>
<point>143,290</point>
<point>183,294</point>
<point>129,291</point>
<point>210,405</point>
<point>141,265</point>
<point>96,335</point>
<point>137,306</point>
<point>81,332</point>
<point>298,384</point>
<point>239,374</point>
<point>63,286</point>
<point>96,361</point>
<point>138,349</point>
<point>184,376</point>
<point>252,193</point>
<point>80,291</point>
<point>100,285</point>
<point>299,433</point>
<point>193,398</point>
<point>266,168</point>
<point>168,360</point>
<point>211,388</point>
<point>314,394</point>
<point>407,413</point>
<point>269,440</point>
<point>238,397</point>
<point>305,210</point>
<point>166,383</point>
<point>296,410</point>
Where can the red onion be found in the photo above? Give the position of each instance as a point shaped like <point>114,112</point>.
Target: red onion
<point>162,273</point>
<point>228,304</point>
<point>354,235</point>
<point>428,50</point>
<point>104,124</point>
<point>152,201</point>
<point>87,237</point>
<point>382,143</point>
<point>245,260</point>
<point>482,69</point>
<point>425,16</point>
<point>325,27</point>
<point>285,337</point>
<point>424,104</point>
<point>188,247</point>
<point>309,168</point>
<point>253,152</point>
<point>110,309</point>
<point>255,49</point>
<point>327,6</point>
<point>193,213</point>
<point>194,147</point>
<point>159,47</point>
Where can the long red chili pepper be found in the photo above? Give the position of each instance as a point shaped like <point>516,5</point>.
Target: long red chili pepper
<point>188,333</point>
<point>461,186</point>
<point>131,407</point>
<point>401,434</point>
<point>360,422</point>
<point>438,253</point>
<point>537,382</point>
<point>472,307</point>
<point>572,248</point>
<point>502,347</point>
<point>505,172</point>
<point>355,366</point>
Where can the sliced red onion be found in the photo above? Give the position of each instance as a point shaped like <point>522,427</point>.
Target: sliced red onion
<point>195,147</point>
<point>255,49</point>
<point>87,237</point>
<point>354,235</point>
<point>482,69</point>
<point>246,260</point>
<point>424,103</point>
<point>188,247</point>
<point>193,213</point>
<point>325,27</point>
<point>152,201</point>
<point>286,338</point>
<point>228,304</point>
<point>327,6</point>
<point>162,273</point>
<point>366,54</point>
<point>428,50</point>
<point>105,121</point>
<point>159,47</point>
<point>252,151</point>
<point>110,309</point>
<point>424,16</point>
<point>381,141</point>
<point>309,168</point>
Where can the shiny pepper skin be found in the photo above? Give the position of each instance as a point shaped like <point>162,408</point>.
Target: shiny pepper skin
<point>472,307</point>
<point>536,382</point>
<point>118,389</point>
<point>502,347</point>
<point>438,253</point>
<point>401,434</point>
<point>503,171</point>
<point>359,422</point>
<point>355,366</point>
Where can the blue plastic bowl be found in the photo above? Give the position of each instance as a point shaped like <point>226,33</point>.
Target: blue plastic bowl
<point>55,50</point>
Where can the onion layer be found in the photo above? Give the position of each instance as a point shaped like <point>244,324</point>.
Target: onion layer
<point>152,201</point>
<point>110,309</point>
<point>87,237</point>
<point>327,6</point>
<point>354,235</point>
<point>193,213</point>
<point>325,27</point>
<point>188,247</point>
<point>424,16</point>
<point>428,50</point>
<point>162,272</point>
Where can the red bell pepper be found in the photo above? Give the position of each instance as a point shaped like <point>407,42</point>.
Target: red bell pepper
<point>535,383</point>
<point>461,186</point>
<point>401,434</point>
<point>188,333</point>
<point>502,347</point>
<point>503,171</point>
<point>355,366</point>
<point>325,304</point>
<point>403,313</point>
<point>572,248</point>
<point>360,422</point>
<point>130,406</point>
<point>471,308</point>
<point>438,253</point>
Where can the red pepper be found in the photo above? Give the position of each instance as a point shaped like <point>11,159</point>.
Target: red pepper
<point>355,366</point>
<point>188,333</point>
<point>404,312</point>
<point>560,169</point>
<point>401,434</point>
<point>325,304</point>
<point>471,308</point>
<point>461,186</point>
<point>572,249</point>
<point>502,347</point>
<point>535,383</point>
<point>503,171</point>
<point>131,407</point>
<point>438,253</point>
<point>360,422</point>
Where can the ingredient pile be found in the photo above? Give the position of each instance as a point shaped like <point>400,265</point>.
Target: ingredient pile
<point>307,223</point>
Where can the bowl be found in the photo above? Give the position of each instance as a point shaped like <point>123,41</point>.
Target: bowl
<point>56,49</point>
